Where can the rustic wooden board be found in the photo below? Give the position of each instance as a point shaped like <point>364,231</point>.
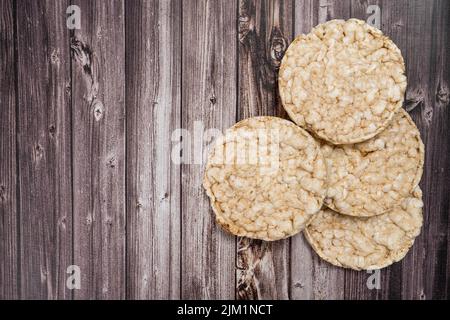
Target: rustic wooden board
<point>98,105</point>
<point>44,157</point>
<point>153,97</point>
<point>9,231</point>
<point>425,272</point>
<point>89,147</point>
<point>208,89</point>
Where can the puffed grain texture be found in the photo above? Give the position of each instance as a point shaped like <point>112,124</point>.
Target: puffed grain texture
<point>343,81</point>
<point>372,177</point>
<point>366,243</point>
<point>265,178</point>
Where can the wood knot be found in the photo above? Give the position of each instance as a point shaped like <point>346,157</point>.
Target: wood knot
<point>68,89</point>
<point>84,57</point>
<point>98,110</point>
<point>278,46</point>
<point>54,56</point>
<point>428,114</point>
<point>38,152</point>
<point>165,196</point>
<point>2,193</point>
<point>442,95</point>
<point>422,295</point>
<point>52,130</point>
<point>112,162</point>
<point>245,21</point>
<point>138,205</point>
<point>44,274</point>
<point>213,99</point>
<point>82,54</point>
<point>62,222</point>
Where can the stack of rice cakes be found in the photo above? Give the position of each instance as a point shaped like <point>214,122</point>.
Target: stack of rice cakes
<point>348,173</point>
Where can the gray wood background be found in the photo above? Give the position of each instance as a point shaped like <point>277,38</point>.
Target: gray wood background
<point>87,117</point>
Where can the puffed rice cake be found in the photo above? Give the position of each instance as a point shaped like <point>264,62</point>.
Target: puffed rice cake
<point>366,243</point>
<point>343,81</point>
<point>370,178</point>
<point>265,178</point>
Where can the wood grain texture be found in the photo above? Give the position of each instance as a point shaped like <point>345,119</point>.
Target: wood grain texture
<point>98,76</point>
<point>153,74</point>
<point>90,151</point>
<point>209,72</point>
<point>265,30</point>
<point>44,149</point>
<point>9,228</point>
<point>426,276</point>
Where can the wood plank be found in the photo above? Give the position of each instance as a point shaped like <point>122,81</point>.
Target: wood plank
<point>312,278</point>
<point>265,30</point>
<point>98,76</point>
<point>9,228</point>
<point>153,63</point>
<point>418,28</point>
<point>425,275</point>
<point>44,149</point>
<point>208,95</point>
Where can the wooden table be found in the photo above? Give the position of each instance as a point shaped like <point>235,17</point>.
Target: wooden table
<point>88,124</point>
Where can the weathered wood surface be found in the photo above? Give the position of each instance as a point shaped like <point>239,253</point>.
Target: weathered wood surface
<point>90,151</point>
<point>153,100</point>
<point>98,115</point>
<point>209,98</point>
<point>44,149</point>
<point>9,231</point>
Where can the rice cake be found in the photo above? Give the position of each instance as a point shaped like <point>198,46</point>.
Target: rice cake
<point>366,243</point>
<point>265,178</point>
<point>344,81</point>
<point>370,178</point>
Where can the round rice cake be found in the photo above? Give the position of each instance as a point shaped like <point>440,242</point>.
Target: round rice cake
<point>265,178</point>
<point>343,81</point>
<point>370,178</point>
<point>366,243</point>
